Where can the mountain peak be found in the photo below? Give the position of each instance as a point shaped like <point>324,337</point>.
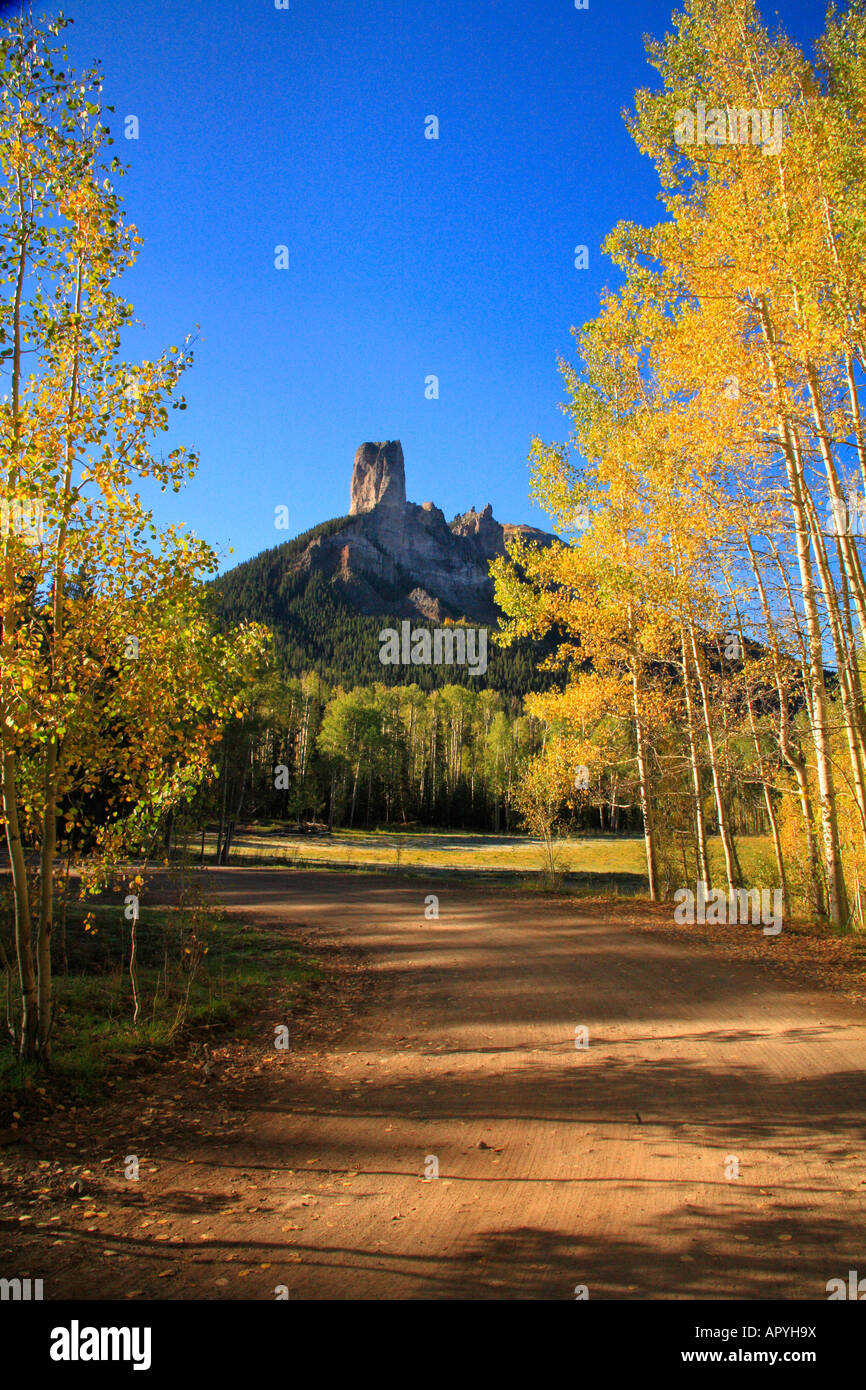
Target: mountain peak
<point>325,593</point>
<point>482,524</point>
<point>378,477</point>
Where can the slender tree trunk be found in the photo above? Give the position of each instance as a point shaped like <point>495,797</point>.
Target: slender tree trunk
<point>355,786</point>
<point>222,822</point>
<point>49,816</point>
<point>846,666</point>
<point>23,923</point>
<point>8,767</point>
<point>821,735</point>
<point>46,899</point>
<point>643,775</point>
<point>759,755</point>
<point>790,751</point>
<point>237,815</point>
<point>721,810</point>
<point>700,829</point>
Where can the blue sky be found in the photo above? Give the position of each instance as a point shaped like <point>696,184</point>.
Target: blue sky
<point>408,257</point>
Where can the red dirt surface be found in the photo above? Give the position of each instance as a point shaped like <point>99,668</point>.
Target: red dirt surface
<point>609,1167</point>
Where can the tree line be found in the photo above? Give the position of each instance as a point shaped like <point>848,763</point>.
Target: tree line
<point>710,579</point>
<point>369,756</point>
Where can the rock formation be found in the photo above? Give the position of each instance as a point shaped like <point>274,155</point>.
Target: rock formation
<point>395,557</point>
<point>378,477</point>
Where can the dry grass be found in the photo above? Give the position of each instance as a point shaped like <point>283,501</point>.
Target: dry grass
<point>619,859</point>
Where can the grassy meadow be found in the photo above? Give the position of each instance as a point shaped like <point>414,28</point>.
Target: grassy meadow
<point>600,864</point>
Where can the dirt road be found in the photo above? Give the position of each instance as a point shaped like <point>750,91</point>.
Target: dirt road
<point>612,1166</point>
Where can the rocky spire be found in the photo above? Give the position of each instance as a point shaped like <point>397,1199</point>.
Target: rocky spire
<point>378,477</point>
<point>481,524</point>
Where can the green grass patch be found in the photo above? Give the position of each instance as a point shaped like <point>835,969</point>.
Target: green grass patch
<point>199,975</point>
